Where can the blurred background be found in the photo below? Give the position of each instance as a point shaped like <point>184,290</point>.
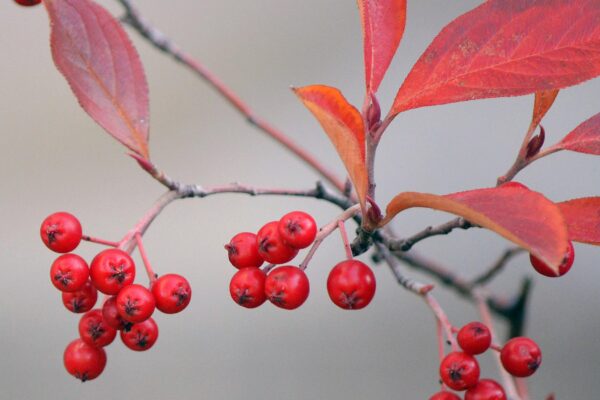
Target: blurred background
<point>54,157</point>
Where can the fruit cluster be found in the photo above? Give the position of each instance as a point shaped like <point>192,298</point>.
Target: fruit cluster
<point>351,283</point>
<point>459,370</point>
<point>127,307</point>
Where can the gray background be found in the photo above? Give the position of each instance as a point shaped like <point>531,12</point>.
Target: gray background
<point>55,158</point>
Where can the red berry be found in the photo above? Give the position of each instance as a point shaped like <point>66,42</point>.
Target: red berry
<point>545,270</point>
<point>82,300</point>
<point>135,303</point>
<point>111,316</point>
<point>443,395</point>
<point>61,232</point>
<point>514,184</point>
<point>69,272</point>
<point>271,247</point>
<point>172,293</point>
<point>94,330</point>
<point>351,285</point>
<point>242,251</point>
<point>141,336</point>
<point>28,3</point>
<point>521,356</point>
<point>83,361</point>
<point>287,287</point>
<point>459,370</point>
<point>297,229</point>
<point>247,287</point>
<point>486,389</point>
<point>111,270</point>
<point>474,338</point>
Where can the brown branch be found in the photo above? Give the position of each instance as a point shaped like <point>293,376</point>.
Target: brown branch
<point>497,266</point>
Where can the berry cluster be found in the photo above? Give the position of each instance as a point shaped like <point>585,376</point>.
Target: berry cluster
<point>127,307</point>
<point>459,370</point>
<point>351,283</point>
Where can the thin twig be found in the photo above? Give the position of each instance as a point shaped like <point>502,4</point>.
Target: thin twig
<point>497,266</point>
<point>99,241</point>
<point>443,229</point>
<point>149,271</point>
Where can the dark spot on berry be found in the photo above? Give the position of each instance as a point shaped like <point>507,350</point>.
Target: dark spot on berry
<point>126,326</point>
<point>181,295</point>
<point>477,330</point>
<point>350,300</point>
<point>51,234</point>
<point>455,374</point>
<point>141,340</point>
<point>95,331</point>
<point>277,298</point>
<point>131,307</point>
<point>243,297</point>
<point>231,249</point>
<point>118,273</point>
<point>265,245</point>
<point>533,365</point>
<point>82,377</point>
<point>63,279</point>
<point>77,305</point>
<point>293,227</point>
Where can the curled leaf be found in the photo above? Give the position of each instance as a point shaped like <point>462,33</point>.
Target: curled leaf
<point>583,219</point>
<point>516,213</point>
<point>543,101</point>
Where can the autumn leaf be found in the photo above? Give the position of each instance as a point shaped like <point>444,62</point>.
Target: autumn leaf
<point>506,48</point>
<point>516,213</point>
<point>583,219</point>
<point>344,125</point>
<point>95,55</point>
<point>383,23</point>
<point>585,138</point>
<point>543,101</point>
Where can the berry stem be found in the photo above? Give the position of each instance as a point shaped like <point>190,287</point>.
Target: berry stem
<point>92,239</point>
<point>440,339</point>
<point>344,235</point>
<point>522,388</point>
<point>151,275</point>
<point>442,319</point>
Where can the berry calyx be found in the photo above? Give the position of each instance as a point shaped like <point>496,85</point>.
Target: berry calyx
<point>443,395</point>
<point>297,229</point>
<point>141,336</point>
<point>28,3</point>
<point>242,251</point>
<point>61,232</point>
<point>521,357</point>
<point>135,303</point>
<point>474,338</point>
<point>83,361</point>
<point>351,285</point>
<point>111,270</point>
<point>545,270</point>
<point>247,287</point>
<point>271,246</point>
<point>459,370</point>
<point>172,293</point>
<point>69,273</point>
<point>287,287</point>
<point>83,300</point>
<point>486,389</point>
<point>111,315</point>
<point>94,330</point>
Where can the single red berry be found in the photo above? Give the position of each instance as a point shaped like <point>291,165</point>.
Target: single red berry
<point>486,389</point>
<point>474,338</point>
<point>82,300</point>
<point>94,330</point>
<point>297,229</point>
<point>247,287</point>
<point>242,251</point>
<point>141,336</point>
<point>111,315</point>
<point>443,395</point>
<point>61,232</point>
<point>287,287</point>
<point>69,273</point>
<point>459,370</point>
<point>521,356</point>
<point>271,247</point>
<point>172,293</point>
<point>83,361</point>
<point>545,270</point>
<point>351,285</point>
<point>28,3</point>
<point>513,184</point>
<point>111,270</point>
<point>135,303</point>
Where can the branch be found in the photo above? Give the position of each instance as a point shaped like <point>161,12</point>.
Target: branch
<point>443,229</point>
<point>497,266</point>
<point>134,19</point>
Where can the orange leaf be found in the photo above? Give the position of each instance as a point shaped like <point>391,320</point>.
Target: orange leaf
<point>383,23</point>
<point>583,219</point>
<point>344,125</point>
<point>543,101</point>
<point>524,217</point>
<point>93,52</point>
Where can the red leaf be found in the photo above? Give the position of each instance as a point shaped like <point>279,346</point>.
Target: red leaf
<point>344,125</point>
<point>383,23</point>
<point>506,48</point>
<point>585,138</point>
<point>93,52</point>
<point>583,219</point>
<point>524,217</point>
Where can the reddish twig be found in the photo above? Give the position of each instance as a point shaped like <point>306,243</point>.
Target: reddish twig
<point>99,241</point>
<point>151,274</point>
